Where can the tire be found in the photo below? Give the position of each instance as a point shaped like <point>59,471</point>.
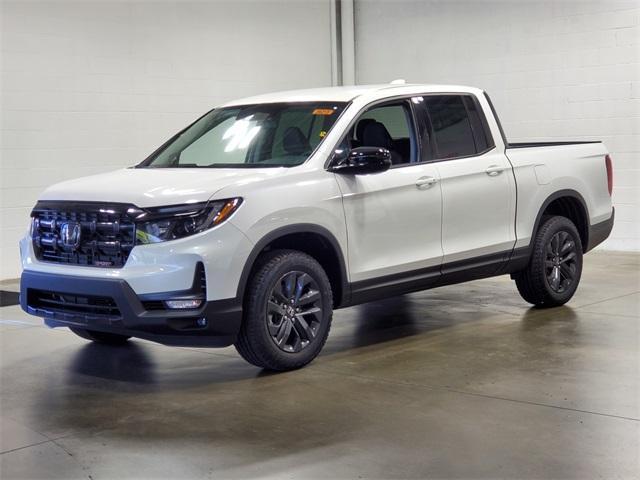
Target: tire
<point>555,267</point>
<point>101,337</point>
<point>276,333</point>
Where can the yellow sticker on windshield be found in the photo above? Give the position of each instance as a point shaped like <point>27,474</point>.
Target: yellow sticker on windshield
<point>323,111</point>
<point>322,134</point>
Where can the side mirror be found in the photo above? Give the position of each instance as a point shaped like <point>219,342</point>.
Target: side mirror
<point>361,160</point>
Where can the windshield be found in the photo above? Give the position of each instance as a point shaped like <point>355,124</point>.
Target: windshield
<point>263,135</point>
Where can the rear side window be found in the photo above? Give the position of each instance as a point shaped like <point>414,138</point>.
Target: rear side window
<point>479,125</point>
<point>458,126</point>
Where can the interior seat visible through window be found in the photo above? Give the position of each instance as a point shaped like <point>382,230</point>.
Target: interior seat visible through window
<point>387,126</point>
<point>360,126</point>
<point>295,143</point>
<point>375,134</point>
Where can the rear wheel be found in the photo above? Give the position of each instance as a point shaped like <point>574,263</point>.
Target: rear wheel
<point>100,337</point>
<point>287,312</point>
<point>555,267</point>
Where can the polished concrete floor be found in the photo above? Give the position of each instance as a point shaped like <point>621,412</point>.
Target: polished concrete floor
<point>459,382</point>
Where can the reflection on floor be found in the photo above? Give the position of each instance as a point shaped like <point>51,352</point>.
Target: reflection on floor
<point>459,382</point>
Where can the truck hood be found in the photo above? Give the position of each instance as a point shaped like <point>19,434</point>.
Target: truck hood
<point>152,187</point>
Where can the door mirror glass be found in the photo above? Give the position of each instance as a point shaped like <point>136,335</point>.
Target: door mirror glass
<point>361,160</point>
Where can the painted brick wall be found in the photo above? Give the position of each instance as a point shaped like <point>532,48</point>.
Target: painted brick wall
<point>555,70</point>
<point>93,86</point>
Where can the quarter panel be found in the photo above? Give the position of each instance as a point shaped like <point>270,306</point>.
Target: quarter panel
<point>580,168</point>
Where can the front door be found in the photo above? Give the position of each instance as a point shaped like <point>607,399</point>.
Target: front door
<point>393,218</point>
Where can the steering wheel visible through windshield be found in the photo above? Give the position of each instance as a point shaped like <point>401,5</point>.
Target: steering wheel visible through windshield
<point>263,135</point>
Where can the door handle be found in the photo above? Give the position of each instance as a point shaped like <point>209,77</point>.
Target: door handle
<point>494,170</point>
<point>426,182</point>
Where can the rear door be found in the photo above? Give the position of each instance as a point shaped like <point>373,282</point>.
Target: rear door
<point>477,183</point>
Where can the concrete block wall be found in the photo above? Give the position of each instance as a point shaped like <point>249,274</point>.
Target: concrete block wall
<point>555,70</point>
<point>93,86</point>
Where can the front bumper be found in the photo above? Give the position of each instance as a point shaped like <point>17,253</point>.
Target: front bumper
<point>111,305</point>
<point>166,266</point>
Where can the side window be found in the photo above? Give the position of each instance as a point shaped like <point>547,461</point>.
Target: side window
<point>388,126</point>
<point>481,132</point>
<point>451,126</point>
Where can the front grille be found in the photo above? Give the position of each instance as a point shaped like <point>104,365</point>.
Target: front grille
<point>70,303</point>
<point>106,233</point>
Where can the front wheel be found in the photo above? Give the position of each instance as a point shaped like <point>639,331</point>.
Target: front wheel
<point>100,337</point>
<point>555,267</point>
<point>287,312</point>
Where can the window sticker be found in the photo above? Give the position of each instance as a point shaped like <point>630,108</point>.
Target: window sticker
<point>322,134</point>
<point>323,111</point>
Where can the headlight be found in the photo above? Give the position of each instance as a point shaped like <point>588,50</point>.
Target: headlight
<point>171,223</point>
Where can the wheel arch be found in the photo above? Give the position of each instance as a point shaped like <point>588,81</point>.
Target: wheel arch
<point>314,240</point>
<point>570,204</point>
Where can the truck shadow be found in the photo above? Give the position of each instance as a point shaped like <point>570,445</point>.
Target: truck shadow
<point>139,362</point>
<point>371,324</point>
<point>127,363</point>
<point>397,318</point>
<point>374,323</point>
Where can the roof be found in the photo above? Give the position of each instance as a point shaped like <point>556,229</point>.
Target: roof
<point>347,93</point>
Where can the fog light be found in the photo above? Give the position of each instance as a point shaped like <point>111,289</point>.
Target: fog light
<point>202,322</point>
<point>183,304</point>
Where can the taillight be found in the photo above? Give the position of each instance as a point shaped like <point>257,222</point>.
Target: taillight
<point>607,162</point>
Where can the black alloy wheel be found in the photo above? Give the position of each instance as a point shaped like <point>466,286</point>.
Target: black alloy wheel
<point>561,261</point>
<point>294,311</point>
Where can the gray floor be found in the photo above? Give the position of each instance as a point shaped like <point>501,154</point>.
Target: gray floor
<point>459,382</point>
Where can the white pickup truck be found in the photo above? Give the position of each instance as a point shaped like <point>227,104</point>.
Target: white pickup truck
<point>250,226</point>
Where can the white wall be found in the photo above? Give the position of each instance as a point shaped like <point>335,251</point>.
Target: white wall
<point>555,70</point>
<point>92,86</point>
